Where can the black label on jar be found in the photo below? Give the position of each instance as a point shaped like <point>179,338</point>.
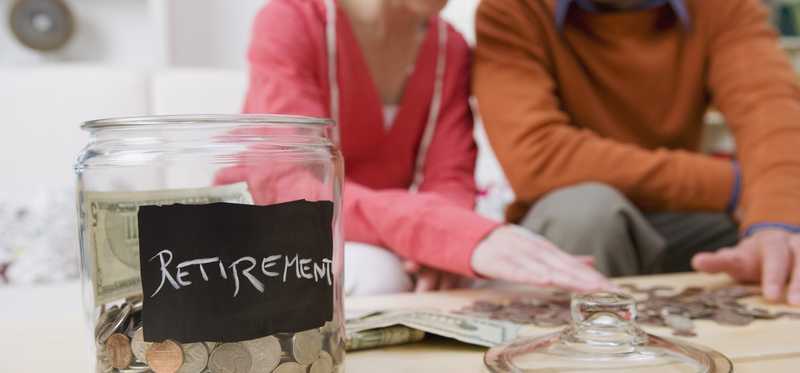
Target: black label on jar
<point>231,272</point>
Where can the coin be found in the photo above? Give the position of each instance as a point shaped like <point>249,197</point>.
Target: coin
<point>105,317</point>
<point>103,360</point>
<point>266,354</point>
<point>164,357</point>
<point>290,367</point>
<point>118,347</point>
<point>139,346</point>
<point>210,346</point>
<point>115,324</point>
<point>306,346</point>
<point>324,364</point>
<point>230,358</point>
<point>195,358</point>
<point>136,368</point>
<point>731,317</point>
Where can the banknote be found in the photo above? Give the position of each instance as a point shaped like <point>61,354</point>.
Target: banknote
<point>112,232</point>
<point>475,331</point>
<point>382,337</point>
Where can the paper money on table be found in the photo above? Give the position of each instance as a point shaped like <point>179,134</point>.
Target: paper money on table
<point>113,232</point>
<point>382,337</point>
<point>475,331</point>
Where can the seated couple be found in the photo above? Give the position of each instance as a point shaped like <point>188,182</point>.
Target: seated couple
<point>595,111</point>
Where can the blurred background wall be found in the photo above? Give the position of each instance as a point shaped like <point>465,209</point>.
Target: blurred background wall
<point>164,33</point>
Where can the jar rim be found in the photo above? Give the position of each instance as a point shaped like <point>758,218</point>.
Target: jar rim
<point>201,119</point>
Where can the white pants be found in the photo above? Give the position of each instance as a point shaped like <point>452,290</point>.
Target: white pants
<point>372,270</point>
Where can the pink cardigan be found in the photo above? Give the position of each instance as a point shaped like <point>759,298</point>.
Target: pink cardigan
<point>288,75</point>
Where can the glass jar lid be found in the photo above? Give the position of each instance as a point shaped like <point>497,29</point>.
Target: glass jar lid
<point>603,337</point>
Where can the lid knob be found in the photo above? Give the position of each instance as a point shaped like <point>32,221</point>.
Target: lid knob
<point>604,323</point>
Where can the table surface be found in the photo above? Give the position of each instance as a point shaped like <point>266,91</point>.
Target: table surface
<point>42,330</point>
<point>764,346</point>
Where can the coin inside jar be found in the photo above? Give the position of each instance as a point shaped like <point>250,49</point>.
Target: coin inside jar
<point>324,364</point>
<point>230,358</point>
<point>266,354</point>
<point>195,358</point>
<point>164,357</point>
<point>290,367</point>
<point>139,346</point>
<point>118,347</point>
<point>306,346</point>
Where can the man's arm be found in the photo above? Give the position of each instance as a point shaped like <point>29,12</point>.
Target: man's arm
<point>753,84</point>
<point>540,149</point>
<point>755,87</point>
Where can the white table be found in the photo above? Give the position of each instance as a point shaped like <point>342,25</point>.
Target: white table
<point>42,330</point>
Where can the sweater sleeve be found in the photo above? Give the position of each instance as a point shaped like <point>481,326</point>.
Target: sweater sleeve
<point>283,64</point>
<point>450,161</point>
<point>432,227</point>
<point>541,150</point>
<point>424,227</point>
<point>753,84</point>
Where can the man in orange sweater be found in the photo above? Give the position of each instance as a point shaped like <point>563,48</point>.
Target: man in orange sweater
<point>595,110</point>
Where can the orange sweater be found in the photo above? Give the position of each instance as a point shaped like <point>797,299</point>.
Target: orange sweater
<point>619,98</point>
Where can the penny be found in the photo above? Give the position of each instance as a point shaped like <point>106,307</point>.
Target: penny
<point>324,364</point>
<point>118,347</point>
<point>164,357</point>
<point>265,352</point>
<point>230,358</point>
<point>195,358</point>
<point>290,367</point>
<point>139,346</point>
<point>306,346</point>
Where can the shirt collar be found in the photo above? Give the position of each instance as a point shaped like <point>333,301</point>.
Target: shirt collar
<point>678,6</point>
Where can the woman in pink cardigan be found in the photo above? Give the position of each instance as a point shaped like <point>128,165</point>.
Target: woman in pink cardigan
<point>395,77</point>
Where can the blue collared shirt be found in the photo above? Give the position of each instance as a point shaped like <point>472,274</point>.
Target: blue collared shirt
<point>678,6</point>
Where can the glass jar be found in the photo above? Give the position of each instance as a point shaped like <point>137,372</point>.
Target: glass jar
<point>212,244</point>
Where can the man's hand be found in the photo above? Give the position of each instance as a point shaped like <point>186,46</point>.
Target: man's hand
<point>511,253</point>
<point>771,256</point>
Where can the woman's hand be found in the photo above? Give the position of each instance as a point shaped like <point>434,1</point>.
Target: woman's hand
<point>430,279</point>
<point>512,253</point>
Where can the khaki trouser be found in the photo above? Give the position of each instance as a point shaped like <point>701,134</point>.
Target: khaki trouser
<point>597,220</point>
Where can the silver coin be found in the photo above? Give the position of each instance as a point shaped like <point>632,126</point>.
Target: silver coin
<point>105,317</point>
<point>230,358</point>
<point>103,360</point>
<point>195,358</point>
<point>136,368</point>
<point>139,346</point>
<point>115,324</point>
<point>324,364</point>
<point>290,367</point>
<point>679,322</point>
<point>210,346</point>
<point>306,346</point>
<point>266,354</point>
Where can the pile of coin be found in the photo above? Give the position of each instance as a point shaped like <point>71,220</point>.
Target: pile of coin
<point>658,305</point>
<point>119,337</point>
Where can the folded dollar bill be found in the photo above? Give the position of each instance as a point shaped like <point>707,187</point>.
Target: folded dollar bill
<point>112,231</point>
<point>471,330</point>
